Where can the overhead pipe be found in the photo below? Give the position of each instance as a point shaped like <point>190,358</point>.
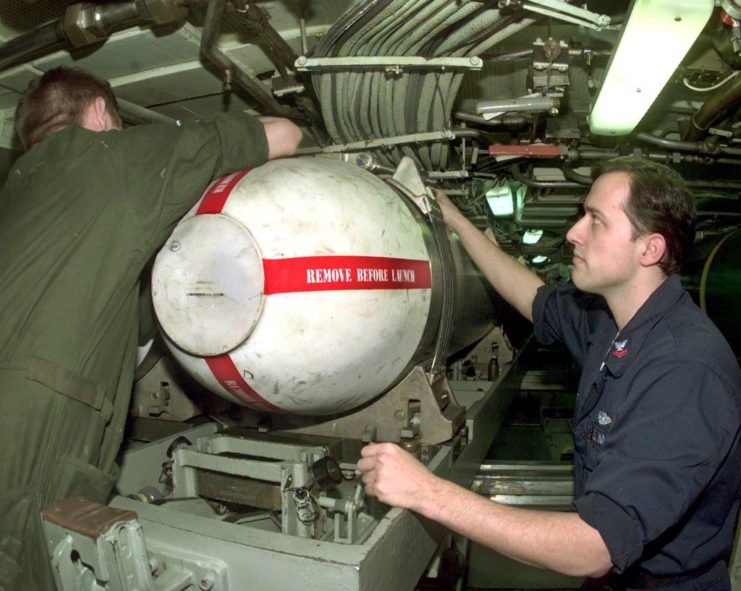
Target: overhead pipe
<point>210,50</point>
<point>700,147</point>
<point>590,153</point>
<point>714,108</point>
<point>256,21</point>
<point>502,121</point>
<point>138,114</point>
<point>467,132</point>
<point>33,44</point>
<point>528,53</point>
<point>720,185</point>
<point>86,24</point>
<point>518,175</point>
<point>280,53</point>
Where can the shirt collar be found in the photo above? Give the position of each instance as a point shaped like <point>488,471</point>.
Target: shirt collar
<point>630,340</point>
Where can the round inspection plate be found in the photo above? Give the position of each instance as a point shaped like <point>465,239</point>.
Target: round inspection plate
<point>207,285</point>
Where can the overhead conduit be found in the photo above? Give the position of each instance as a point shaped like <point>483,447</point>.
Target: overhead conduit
<point>362,102</point>
<point>329,46</point>
<point>434,92</point>
<point>373,104</point>
<point>500,28</point>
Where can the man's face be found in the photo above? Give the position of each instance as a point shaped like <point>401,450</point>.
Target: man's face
<point>606,258</point>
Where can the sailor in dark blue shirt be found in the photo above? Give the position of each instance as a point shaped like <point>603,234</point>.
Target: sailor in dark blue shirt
<point>658,413</point>
<point>655,432</point>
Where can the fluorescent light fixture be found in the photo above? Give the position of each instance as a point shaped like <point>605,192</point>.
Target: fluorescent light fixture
<point>500,200</point>
<point>654,40</point>
<point>532,236</point>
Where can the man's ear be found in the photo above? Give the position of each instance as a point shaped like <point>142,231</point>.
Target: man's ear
<point>101,113</point>
<point>654,249</point>
<point>95,118</point>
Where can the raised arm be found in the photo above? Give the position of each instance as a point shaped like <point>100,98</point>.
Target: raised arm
<point>514,281</point>
<point>283,136</point>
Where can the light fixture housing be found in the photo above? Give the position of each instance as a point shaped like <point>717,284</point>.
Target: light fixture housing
<point>500,201</point>
<point>532,236</point>
<point>654,40</point>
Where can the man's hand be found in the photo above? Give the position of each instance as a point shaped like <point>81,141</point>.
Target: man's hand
<point>514,281</point>
<point>283,136</point>
<point>451,214</point>
<point>394,476</point>
<point>557,540</point>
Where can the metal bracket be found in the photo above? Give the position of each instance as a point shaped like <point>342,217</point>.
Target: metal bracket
<point>406,177</point>
<point>564,11</point>
<point>530,104</point>
<point>98,548</point>
<point>439,414</point>
<point>414,138</point>
<point>393,64</point>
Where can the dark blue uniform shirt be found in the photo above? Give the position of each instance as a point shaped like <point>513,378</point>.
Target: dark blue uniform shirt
<point>656,427</point>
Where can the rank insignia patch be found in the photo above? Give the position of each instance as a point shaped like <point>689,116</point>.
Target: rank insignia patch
<point>620,349</point>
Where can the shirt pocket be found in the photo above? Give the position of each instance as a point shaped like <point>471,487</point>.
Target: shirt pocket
<point>76,477</point>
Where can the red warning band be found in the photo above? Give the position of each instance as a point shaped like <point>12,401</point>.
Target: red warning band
<point>228,375</point>
<point>330,273</point>
<point>215,198</point>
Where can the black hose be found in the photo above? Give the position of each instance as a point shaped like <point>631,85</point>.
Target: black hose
<point>688,146</point>
<point>346,25</point>
<point>572,175</point>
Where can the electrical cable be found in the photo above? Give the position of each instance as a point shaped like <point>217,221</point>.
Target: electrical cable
<point>709,88</point>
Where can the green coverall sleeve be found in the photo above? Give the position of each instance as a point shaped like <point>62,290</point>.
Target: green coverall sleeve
<point>167,167</point>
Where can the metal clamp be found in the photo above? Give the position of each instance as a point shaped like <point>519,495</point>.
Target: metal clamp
<point>445,330</point>
<point>407,177</point>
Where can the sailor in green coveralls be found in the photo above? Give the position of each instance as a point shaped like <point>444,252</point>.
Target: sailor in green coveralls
<point>81,213</point>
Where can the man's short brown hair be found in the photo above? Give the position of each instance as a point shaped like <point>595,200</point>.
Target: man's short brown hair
<point>659,202</point>
<point>57,100</point>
